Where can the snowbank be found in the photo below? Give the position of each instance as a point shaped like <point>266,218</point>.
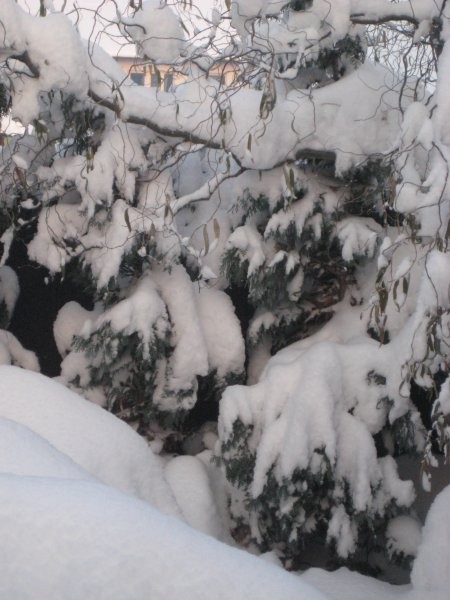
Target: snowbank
<point>47,430</point>
<point>67,536</point>
<point>67,539</point>
<point>93,438</point>
<point>23,452</point>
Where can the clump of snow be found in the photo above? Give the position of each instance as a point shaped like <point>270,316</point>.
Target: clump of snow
<point>311,25</point>
<point>156,31</point>
<point>249,242</point>
<point>65,221</point>
<point>9,288</point>
<point>342,531</point>
<point>403,536</point>
<point>20,161</point>
<point>190,356</point>
<point>13,353</point>
<point>415,117</point>
<point>143,312</point>
<point>68,323</point>
<point>189,482</point>
<point>299,33</point>
<point>358,237</point>
<point>52,43</point>
<point>103,71</point>
<point>115,161</point>
<point>222,332</point>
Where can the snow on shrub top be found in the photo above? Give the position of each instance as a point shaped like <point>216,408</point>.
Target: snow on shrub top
<point>54,45</point>
<point>156,31</point>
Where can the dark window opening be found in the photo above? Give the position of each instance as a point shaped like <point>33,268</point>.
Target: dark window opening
<point>168,82</point>
<point>138,78</point>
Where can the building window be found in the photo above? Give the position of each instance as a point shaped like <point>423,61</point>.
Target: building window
<point>168,82</point>
<point>137,78</point>
<point>155,80</point>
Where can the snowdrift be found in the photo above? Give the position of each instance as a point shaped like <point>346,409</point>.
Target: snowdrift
<point>65,535</point>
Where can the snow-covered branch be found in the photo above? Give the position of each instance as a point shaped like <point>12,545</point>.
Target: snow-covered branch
<point>204,192</point>
<point>371,12</point>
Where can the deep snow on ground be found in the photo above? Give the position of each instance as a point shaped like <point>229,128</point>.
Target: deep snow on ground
<point>74,539</point>
<point>67,535</point>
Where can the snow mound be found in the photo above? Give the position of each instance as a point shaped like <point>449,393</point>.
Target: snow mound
<point>23,452</point>
<point>93,438</point>
<point>70,539</point>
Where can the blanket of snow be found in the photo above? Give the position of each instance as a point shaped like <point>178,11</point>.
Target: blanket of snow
<point>71,539</point>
